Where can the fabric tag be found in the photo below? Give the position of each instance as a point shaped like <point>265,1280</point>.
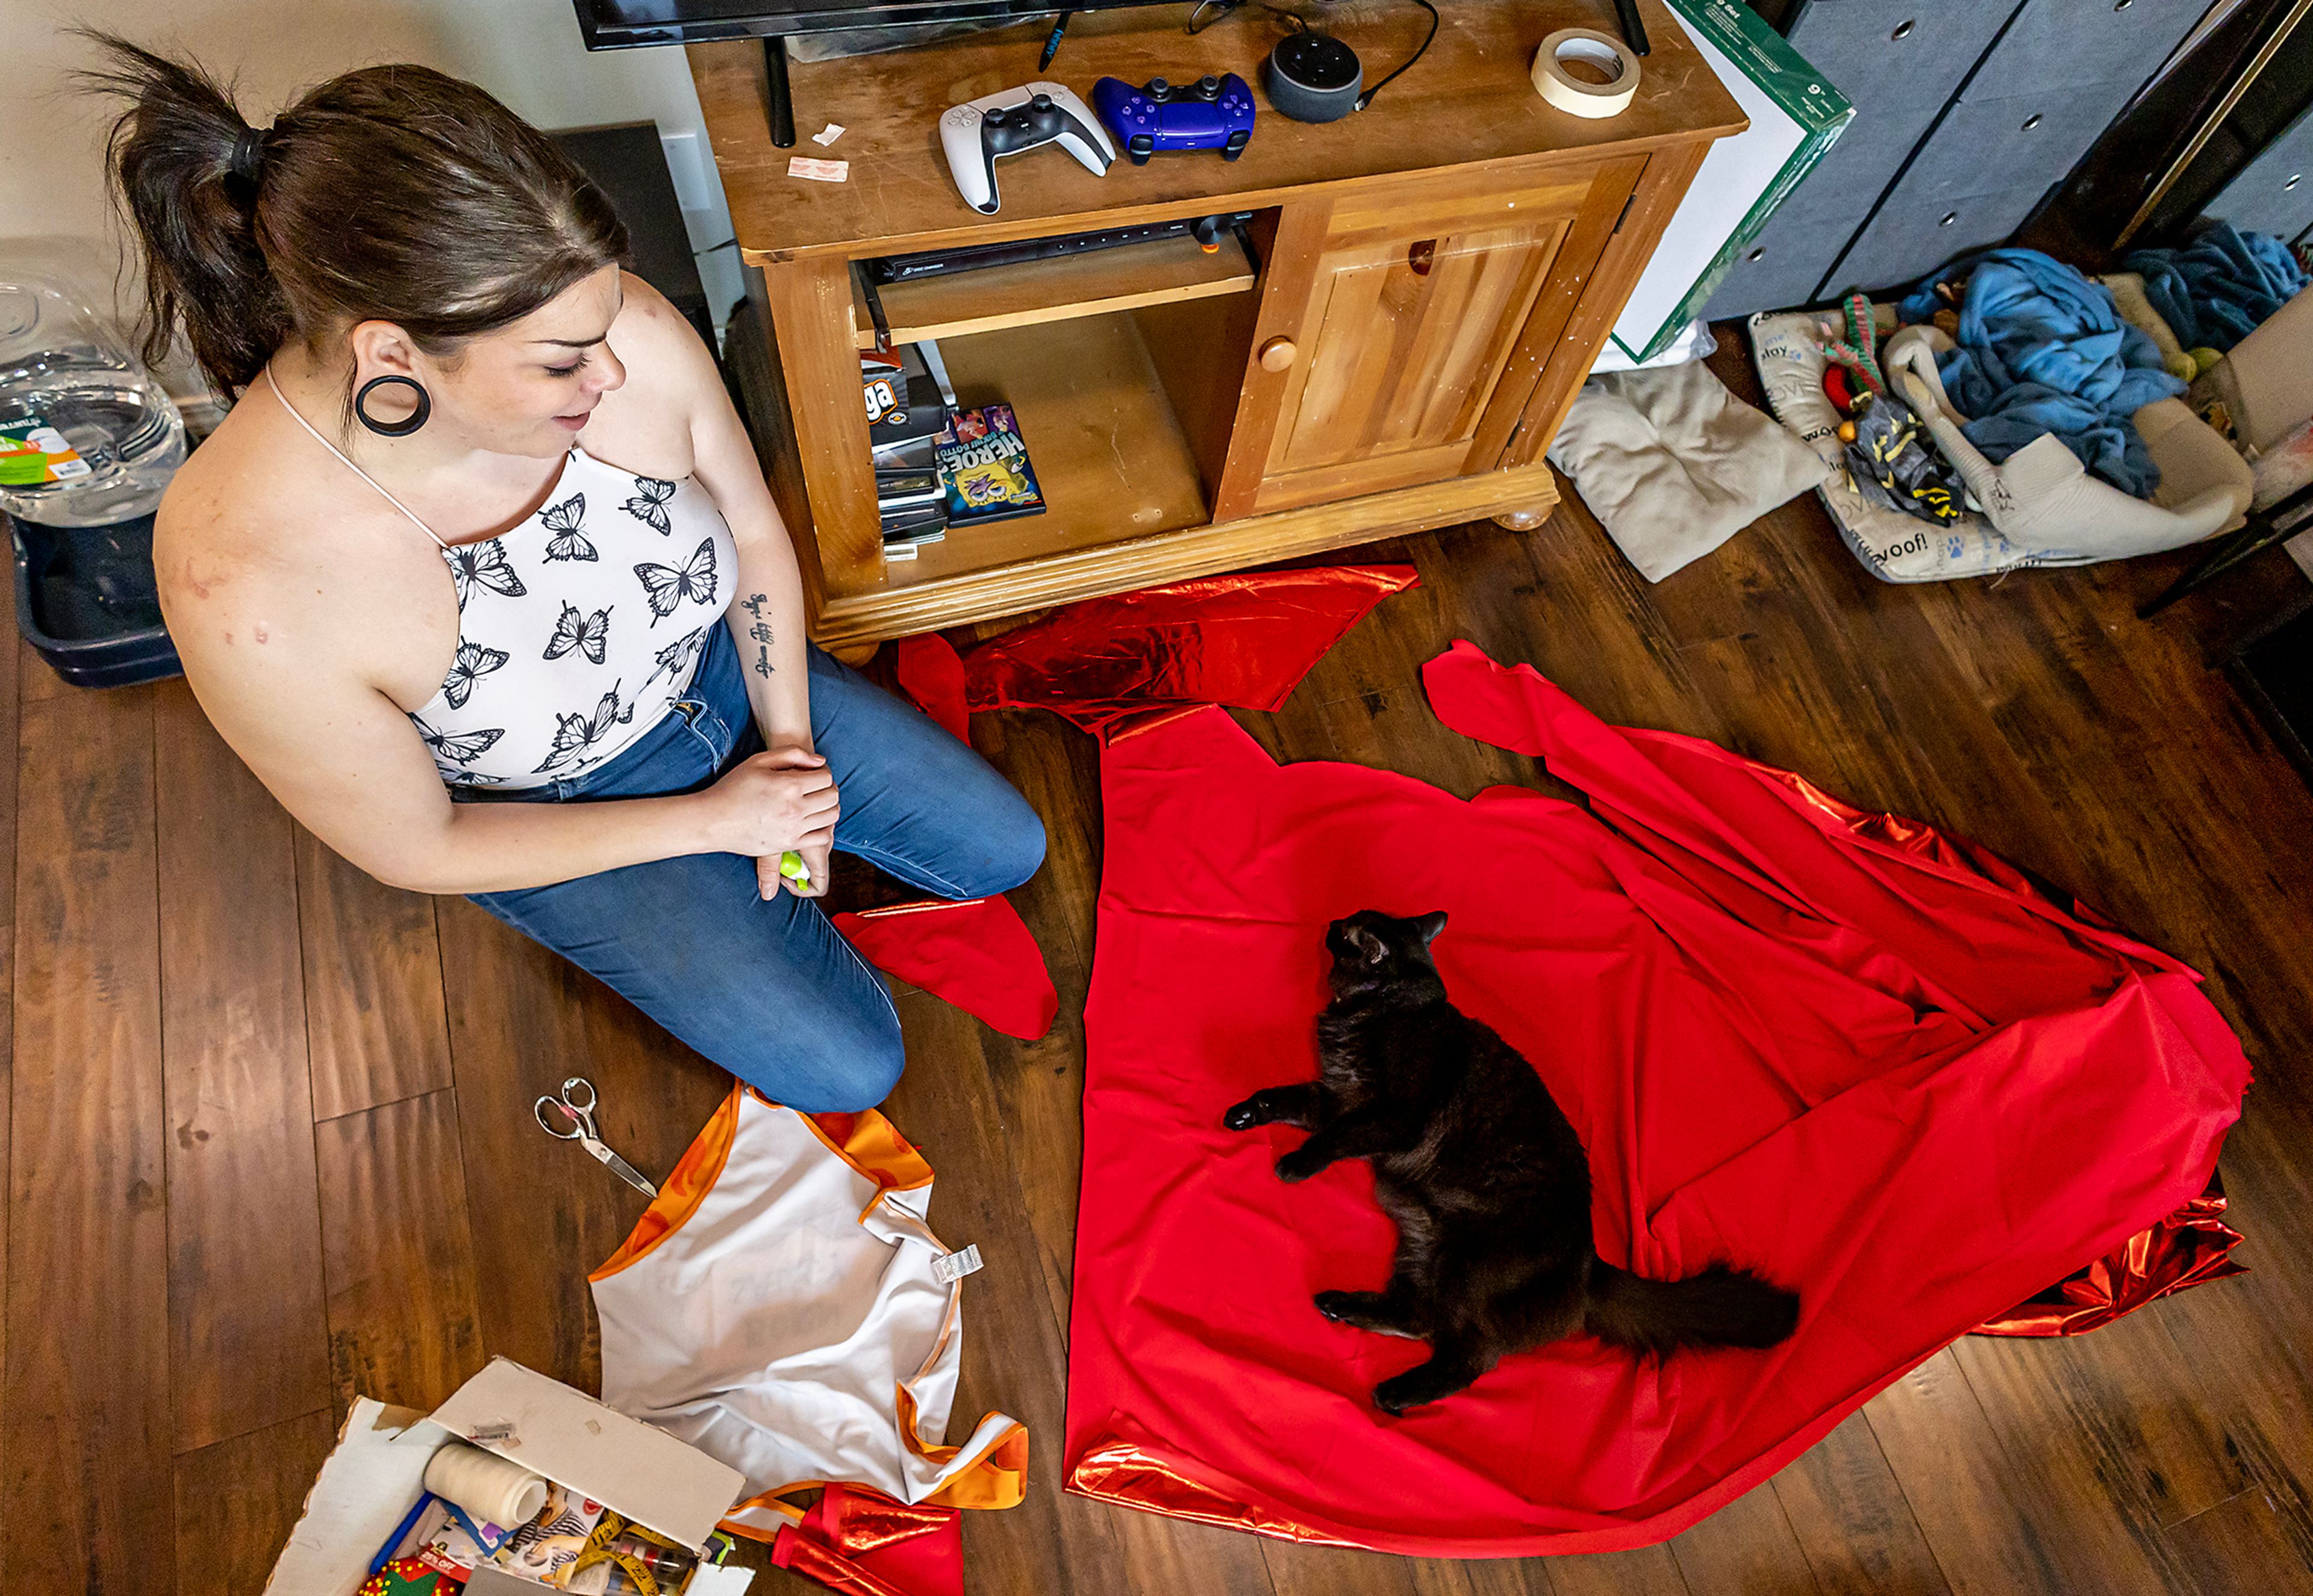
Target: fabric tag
<point>725,1579</point>
<point>950,1267</point>
<point>819,171</point>
<point>828,134</point>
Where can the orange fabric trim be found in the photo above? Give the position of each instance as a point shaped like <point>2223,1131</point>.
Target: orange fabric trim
<point>871,1145</point>
<point>997,1479</point>
<point>915,906</point>
<point>679,1198</point>
<point>770,1501</point>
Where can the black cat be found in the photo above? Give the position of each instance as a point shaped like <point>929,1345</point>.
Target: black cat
<point>1485,1178</point>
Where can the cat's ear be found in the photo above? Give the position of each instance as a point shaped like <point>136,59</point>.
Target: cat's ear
<point>1430,925</point>
<point>1370,948</point>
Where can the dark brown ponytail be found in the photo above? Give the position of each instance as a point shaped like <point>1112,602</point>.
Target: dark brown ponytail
<point>391,194</point>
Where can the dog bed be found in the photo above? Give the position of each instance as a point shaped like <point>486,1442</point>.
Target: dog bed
<point>1894,546</point>
<point>1865,1060</point>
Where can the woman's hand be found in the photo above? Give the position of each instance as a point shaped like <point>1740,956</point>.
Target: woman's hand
<point>780,798</point>
<point>816,866</point>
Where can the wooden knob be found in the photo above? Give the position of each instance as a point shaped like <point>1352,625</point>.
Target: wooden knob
<point>1278,354</point>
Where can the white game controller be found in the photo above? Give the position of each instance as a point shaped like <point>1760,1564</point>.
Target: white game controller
<point>977,132</point>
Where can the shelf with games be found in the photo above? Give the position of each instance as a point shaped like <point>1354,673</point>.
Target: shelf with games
<point>1105,440</point>
<point>1461,237</point>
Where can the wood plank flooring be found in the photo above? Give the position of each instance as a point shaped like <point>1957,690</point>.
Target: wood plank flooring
<point>266,1138</point>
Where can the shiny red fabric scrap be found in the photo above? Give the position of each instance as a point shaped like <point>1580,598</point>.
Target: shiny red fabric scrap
<point>1245,640</point>
<point>864,1543</point>
<point>1914,1088</point>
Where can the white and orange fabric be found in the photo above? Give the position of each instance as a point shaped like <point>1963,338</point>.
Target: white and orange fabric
<point>776,1308</point>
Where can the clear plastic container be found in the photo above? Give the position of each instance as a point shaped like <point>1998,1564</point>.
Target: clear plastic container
<point>87,437</point>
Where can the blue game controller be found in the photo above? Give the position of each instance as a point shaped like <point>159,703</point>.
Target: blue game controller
<point>1213,113</point>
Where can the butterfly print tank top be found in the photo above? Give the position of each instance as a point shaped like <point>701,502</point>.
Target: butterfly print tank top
<point>579,630</point>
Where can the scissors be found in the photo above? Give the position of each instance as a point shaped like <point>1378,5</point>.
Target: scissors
<point>580,1113</point>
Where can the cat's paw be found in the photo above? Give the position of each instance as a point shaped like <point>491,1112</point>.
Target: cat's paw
<point>1297,1166</point>
<point>1337,1305</point>
<point>1245,1115</point>
<point>1396,1395</point>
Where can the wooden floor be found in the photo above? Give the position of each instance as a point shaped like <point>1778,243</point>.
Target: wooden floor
<point>267,1138</point>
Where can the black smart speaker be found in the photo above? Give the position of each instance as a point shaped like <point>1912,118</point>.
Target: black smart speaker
<point>1312,78</point>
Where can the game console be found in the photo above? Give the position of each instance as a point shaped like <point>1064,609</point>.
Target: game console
<point>978,133</point>
<point>1213,113</point>
<point>886,269</point>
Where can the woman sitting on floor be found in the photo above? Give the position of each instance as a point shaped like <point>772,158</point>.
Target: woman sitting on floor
<point>481,578</point>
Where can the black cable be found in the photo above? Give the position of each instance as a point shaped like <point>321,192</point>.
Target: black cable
<point>1199,21</point>
<point>1366,97</point>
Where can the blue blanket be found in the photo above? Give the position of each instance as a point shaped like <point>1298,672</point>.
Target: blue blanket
<point>2042,349</point>
<point>2218,289</point>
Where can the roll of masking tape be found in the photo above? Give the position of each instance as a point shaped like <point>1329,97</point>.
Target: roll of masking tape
<point>490,1489</point>
<point>1599,51</point>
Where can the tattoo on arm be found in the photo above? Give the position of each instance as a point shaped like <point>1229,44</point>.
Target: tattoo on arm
<point>760,632</point>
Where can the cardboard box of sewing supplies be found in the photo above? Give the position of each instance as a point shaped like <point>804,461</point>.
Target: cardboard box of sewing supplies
<point>373,1483</point>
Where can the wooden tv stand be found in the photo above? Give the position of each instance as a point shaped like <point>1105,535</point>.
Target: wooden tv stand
<point>1431,281</point>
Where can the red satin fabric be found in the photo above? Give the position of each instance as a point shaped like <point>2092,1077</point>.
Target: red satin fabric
<point>1884,1072</point>
<point>976,953</point>
<point>1246,639</point>
<point>863,1543</point>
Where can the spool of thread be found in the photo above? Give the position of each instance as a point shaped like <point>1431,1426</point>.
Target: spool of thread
<point>488,1488</point>
<point>1569,93</point>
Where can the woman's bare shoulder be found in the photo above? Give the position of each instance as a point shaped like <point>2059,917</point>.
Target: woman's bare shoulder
<point>234,513</point>
<point>667,364</point>
<point>649,320</point>
<point>647,423</point>
<point>252,544</point>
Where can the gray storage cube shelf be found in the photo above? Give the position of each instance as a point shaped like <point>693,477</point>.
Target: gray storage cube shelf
<point>1968,113</point>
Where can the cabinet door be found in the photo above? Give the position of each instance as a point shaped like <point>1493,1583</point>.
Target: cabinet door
<point>1406,338</point>
<point>1402,314</point>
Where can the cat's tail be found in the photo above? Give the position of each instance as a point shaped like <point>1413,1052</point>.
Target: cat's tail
<point>1720,1307</point>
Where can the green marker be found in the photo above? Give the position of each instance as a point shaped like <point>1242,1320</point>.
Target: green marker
<point>791,865</point>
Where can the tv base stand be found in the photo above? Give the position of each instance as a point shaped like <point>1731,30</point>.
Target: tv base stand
<point>779,98</point>
<point>1430,282</point>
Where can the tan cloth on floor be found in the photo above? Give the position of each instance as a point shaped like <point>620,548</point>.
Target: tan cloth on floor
<point>1674,465</point>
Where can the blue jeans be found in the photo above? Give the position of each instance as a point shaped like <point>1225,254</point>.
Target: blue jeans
<point>770,991</point>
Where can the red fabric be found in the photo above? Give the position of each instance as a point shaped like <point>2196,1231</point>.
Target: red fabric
<point>1895,1078</point>
<point>1245,639</point>
<point>863,1543</point>
<point>975,953</point>
<point>931,673</point>
<point>2190,1247</point>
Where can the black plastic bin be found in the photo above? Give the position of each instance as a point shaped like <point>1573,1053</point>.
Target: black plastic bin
<point>86,602</point>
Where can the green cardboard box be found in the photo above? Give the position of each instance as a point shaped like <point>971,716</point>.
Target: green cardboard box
<point>1795,116</point>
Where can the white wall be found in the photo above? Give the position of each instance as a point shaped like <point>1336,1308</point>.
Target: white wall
<point>54,213</point>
